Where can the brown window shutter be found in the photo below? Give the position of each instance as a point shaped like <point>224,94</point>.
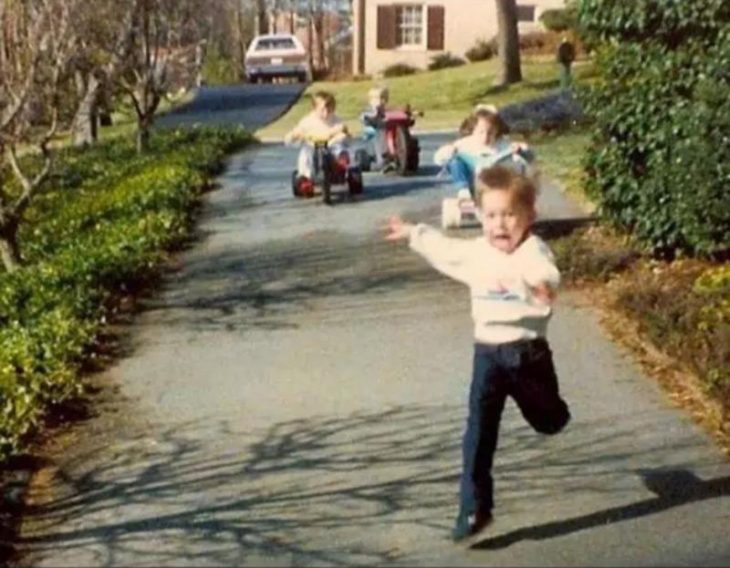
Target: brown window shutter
<point>386,27</point>
<point>435,39</point>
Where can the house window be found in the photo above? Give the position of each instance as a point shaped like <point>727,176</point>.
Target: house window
<point>525,12</point>
<point>409,20</point>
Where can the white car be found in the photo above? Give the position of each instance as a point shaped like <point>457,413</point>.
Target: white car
<point>276,55</point>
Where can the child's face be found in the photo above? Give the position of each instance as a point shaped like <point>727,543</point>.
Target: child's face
<point>505,222</point>
<point>485,131</point>
<point>321,109</point>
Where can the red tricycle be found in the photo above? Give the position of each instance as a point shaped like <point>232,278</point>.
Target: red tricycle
<point>401,147</point>
<point>327,170</point>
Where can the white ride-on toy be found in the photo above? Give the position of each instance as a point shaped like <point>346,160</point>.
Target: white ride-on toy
<point>461,211</point>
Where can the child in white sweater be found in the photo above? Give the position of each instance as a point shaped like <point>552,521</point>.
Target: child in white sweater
<point>513,279</point>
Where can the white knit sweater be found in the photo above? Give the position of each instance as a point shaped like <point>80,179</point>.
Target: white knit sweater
<point>502,305</point>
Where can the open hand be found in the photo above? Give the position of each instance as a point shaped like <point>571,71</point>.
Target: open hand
<point>543,293</point>
<point>397,229</point>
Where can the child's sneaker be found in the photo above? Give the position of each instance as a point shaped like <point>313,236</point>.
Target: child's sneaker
<point>470,525</point>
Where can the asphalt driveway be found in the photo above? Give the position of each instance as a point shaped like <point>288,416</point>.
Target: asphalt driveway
<point>248,106</point>
<point>295,395</point>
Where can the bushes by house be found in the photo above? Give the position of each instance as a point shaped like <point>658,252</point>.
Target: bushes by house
<point>481,51</point>
<point>399,70</point>
<point>444,61</point>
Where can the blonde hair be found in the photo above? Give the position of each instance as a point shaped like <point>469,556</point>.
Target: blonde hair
<point>499,178</point>
<point>379,93</point>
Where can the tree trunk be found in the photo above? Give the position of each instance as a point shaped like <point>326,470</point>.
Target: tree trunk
<point>241,42</point>
<point>319,24</point>
<point>261,19</point>
<point>9,248</point>
<point>144,124</point>
<point>84,125</point>
<point>508,43</point>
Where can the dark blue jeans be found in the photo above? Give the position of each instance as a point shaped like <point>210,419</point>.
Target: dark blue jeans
<point>461,172</point>
<point>523,370</point>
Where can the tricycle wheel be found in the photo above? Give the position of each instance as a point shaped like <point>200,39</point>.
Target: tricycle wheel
<point>413,154</point>
<point>362,160</point>
<point>354,182</point>
<point>295,184</point>
<point>401,149</point>
<point>450,213</point>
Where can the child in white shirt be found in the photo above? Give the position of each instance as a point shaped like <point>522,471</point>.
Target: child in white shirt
<point>513,279</point>
<point>321,123</point>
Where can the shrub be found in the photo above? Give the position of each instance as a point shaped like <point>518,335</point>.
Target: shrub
<point>533,41</point>
<point>657,163</point>
<point>559,20</point>
<point>685,311</point>
<point>444,61</point>
<point>480,51</point>
<point>105,222</point>
<point>399,70</point>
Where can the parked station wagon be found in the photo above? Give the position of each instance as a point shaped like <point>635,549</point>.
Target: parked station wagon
<point>276,55</point>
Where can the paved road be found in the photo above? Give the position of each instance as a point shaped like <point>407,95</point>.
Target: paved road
<point>295,395</point>
<point>249,106</point>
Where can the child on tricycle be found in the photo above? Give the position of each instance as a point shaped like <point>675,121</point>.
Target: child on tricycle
<point>324,150</point>
<point>390,145</point>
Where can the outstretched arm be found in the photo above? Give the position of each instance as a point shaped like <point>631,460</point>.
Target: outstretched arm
<point>445,254</point>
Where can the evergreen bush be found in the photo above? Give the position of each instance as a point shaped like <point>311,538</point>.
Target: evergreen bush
<point>658,161</point>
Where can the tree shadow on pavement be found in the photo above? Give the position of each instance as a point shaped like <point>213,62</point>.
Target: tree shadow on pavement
<point>367,488</point>
<point>275,285</point>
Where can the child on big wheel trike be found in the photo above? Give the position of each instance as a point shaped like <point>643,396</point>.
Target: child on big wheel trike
<point>387,132</point>
<point>323,159</point>
<point>485,146</point>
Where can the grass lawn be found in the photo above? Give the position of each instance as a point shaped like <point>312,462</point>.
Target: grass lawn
<point>445,96</point>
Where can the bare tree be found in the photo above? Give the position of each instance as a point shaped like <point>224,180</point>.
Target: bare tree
<point>162,31</point>
<point>508,43</point>
<point>104,41</point>
<point>35,50</point>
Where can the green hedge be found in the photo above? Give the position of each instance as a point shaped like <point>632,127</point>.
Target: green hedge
<point>658,162</point>
<point>107,221</point>
<point>559,19</point>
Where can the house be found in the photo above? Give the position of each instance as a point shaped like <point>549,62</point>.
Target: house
<point>412,32</point>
